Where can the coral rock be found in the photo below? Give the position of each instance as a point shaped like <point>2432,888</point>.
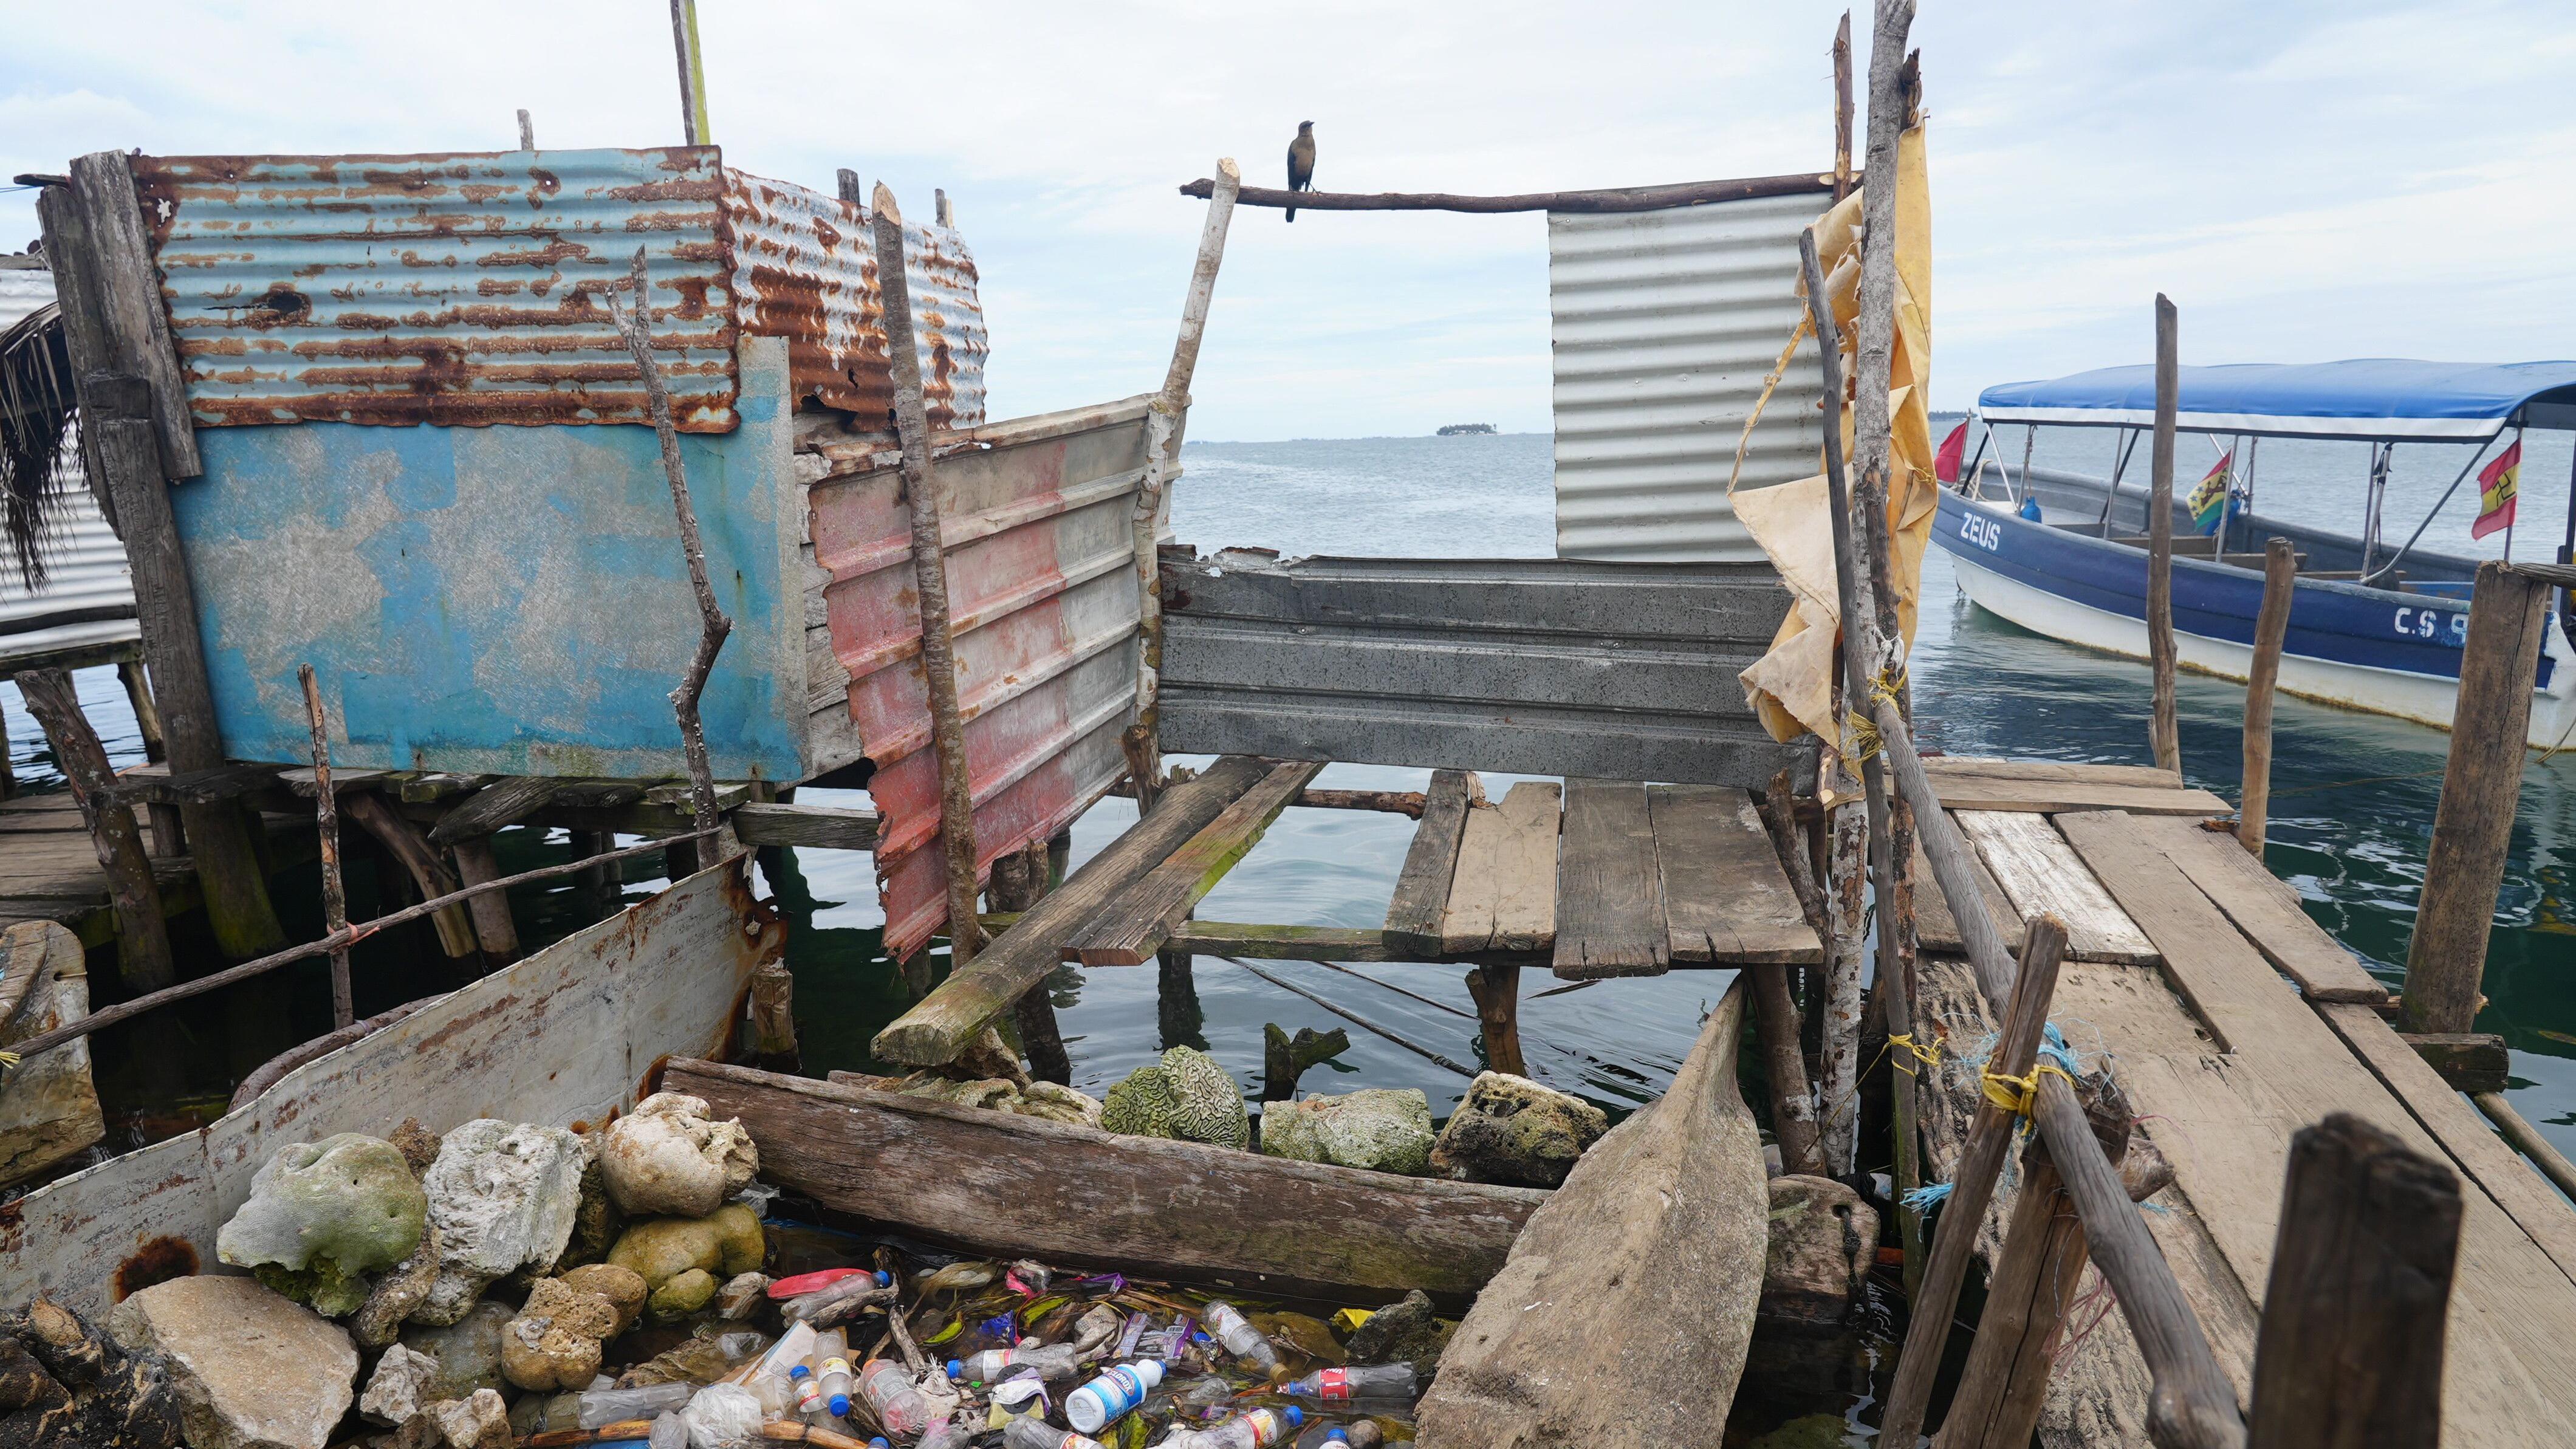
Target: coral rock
<point>252,1369</point>
<point>468,1352</point>
<point>1513,1131</point>
<point>554,1343</point>
<point>1377,1128</point>
<point>1185,1096</point>
<point>503,1197</point>
<point>394,1392</point>
<point>624,1289</point>
<point>668,1157</point>
<point>321,1216</point>
<point>480,1421</point>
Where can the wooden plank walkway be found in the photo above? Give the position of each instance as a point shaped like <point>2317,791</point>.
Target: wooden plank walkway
<point>2240,1024</point>
<point>50,872</point>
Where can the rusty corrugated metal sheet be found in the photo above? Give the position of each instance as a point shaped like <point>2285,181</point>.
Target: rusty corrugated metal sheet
<point>465,289</point>
<point>804,268</point>
<point>85,568</point>
<point>1040,545</point>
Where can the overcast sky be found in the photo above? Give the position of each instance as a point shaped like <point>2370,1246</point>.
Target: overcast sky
<point>2307,181</point>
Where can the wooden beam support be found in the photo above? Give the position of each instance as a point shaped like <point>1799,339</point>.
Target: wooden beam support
<point>147,715</point>
<point>2482,783</point>
<point>1414,912</point>
<point>1019,883</point>
<point>1135,923</point>
<point>2356,1312</point>
<point>142,938</point>
<point>2468,1061</point>
<point>493,808</point>
<point>1635,198</point>
<point>2162,730</point>
<point>943,1023</point>
<point>493,926</point>
<point>2271,631</point>
<point>1496,992</point>
<point>427,871</point>
<point>813,826</point>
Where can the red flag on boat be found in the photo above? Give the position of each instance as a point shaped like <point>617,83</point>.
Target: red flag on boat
<point>2498,483</point>
<point>1945,464</point>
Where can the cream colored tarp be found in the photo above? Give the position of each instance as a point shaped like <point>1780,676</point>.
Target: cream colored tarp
<point>1792,687</point>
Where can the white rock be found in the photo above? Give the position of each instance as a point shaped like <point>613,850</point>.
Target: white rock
<point>393,1392</point>
<point>668,1158</point>
<point>252,1369</point>
<point>503,1196</point>
<point>481,1422</point>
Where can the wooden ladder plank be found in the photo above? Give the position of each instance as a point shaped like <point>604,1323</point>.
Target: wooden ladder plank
<point>1726,899</point>
<point>2040,872</point>
<point>1944,768</point>
<point>1503,895</point>
<point>1133,925</point>
<point>2051,797</point>
<point>1935,929</point>
<point>1422,889</point>
<point>1609,902</point>
<point>494,807</point>
<point>941,1024</point>
<point>2266,909</point>
<point>2225,1116</point>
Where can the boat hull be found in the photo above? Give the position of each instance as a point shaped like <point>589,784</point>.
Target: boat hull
<point>2376,650</point>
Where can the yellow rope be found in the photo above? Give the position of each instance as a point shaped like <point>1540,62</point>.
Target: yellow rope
<point>1862,743</point>
<point>1889,686</point>
<point>2015,1094</point>
<point>8,1059</point>
<point>1927,1056</point>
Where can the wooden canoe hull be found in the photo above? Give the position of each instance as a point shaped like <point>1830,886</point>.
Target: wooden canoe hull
<point>999,1184</point>
<point>567,1037</point>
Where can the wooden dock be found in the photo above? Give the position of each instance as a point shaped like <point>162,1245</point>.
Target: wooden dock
<point>2232,1020</point>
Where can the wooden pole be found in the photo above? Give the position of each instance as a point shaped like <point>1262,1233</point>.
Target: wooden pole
<point>635,326</point>
<point>398,835</point>
<point>326,812</point>
<point>2482,783</point>
<point>493,926</point>
<point>2271,630</point>
<point>142,937</point>
<point>135,434</point>
<point>693,75</point>
<point>2162,730</point>
<point>930,579</point>
<point>2350,1350</point>
<point>147,717</point>
<point>1972,1186</point>
<point>1019,883</point>
<point>1496,992</point>
<point>1590,203</point>
<point>527,131</point>
<point>1775,1021</point>
<point>2527,1140</point>
<point>1997,1402</point>
<point>1842,108</point>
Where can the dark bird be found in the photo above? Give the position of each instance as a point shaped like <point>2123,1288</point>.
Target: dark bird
<point>1301,162</point>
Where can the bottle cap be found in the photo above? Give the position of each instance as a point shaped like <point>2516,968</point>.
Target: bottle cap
<point>1296,1416</point>
<point>796,1371</point>
<point>884,1278</point>
<point>840,1406</point>
<point>957,1368</point>
<point>1336,1436</point>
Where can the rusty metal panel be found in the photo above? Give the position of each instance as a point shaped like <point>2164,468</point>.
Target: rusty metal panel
<point>1039,540</point>
<point>1664,326</point>
<point>566,1038</point>
<point>804,268</point>
<point>455,289</point>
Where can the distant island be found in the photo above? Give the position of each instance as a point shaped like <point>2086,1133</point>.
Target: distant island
<point>1467,430</point>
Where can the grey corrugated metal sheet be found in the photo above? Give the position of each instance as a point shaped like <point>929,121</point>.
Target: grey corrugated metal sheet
<point>85,564</point>
<point>1622,671</point>
<point>464,289</point>
<point>1664,324</point>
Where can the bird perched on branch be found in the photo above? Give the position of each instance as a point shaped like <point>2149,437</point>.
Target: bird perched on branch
<point>1301,162</point>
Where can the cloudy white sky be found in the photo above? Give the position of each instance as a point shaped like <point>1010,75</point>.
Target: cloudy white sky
<point>2306,180</point>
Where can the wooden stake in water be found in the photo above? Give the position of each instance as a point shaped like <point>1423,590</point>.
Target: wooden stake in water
<point>2162,731</point>
<point>2271,630</point>
<point>326,811</point>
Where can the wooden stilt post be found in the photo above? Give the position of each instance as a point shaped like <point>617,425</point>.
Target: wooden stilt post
<point>428,873</point>
<point>1842,108</point>
<point>1177,1014</point>
<point>930,581</point>
<point>136,434</point>
<point>475,864</point>
<point>2271,630</point>
<point>142,937</point>
<point>326,812</point>
<point>1019,883</point>
<point>2350,1350</point>
<point>2473,824</point>
<point>1972,1186</point>
<point>9,771</point>
<point>147,715</point>
<point>1496,991</point>
<point>2162,730</point>
<point>1775,1021</point>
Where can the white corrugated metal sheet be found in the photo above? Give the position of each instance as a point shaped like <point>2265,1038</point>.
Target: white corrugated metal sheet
<point>1664,324</point>
<point>86,568</point>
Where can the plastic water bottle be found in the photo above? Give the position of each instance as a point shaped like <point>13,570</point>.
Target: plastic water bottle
<point>1256,1430</point>
<point>1240,1338</point>
<point>613,1406</point>
<point>1031,1432</point>
<point>995,1364</point>
<point>899,1406</point>
<point>1109,1397</point>
<point>947,1434</point>
<point>1341,1385</point>
<point>832,1370</point>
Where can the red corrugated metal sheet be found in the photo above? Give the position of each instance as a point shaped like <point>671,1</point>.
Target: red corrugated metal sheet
<point>464,289</point>
<point>1039,538</point>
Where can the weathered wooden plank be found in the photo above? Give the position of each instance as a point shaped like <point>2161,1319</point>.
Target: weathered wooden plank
<point>2523,1193</point>
<point>824,826</point>
<point>300,780</point>
<point>1422,888</point>
<point>997,1183</point>
<point>494,807</point>
<point>566,1037</point>
<point>2225,1119</point>
<point>1942,769</point>
<point>1133,924</point>
<point>940,1025</point>
<point>2050,797</point>
<point>1609,902</point>
<point>2039,872</point>
<point>1935,929</point>
<point>2266,909</point>
<point>211,786</point>
<point>2467,1061</point>
<point>1726,899</point>
<point>1502,897</point>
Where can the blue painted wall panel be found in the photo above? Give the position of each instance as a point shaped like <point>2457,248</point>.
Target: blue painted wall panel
<point>510,600</point>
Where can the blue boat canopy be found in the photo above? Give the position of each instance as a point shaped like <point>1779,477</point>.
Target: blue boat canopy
<point>2379,399</point>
